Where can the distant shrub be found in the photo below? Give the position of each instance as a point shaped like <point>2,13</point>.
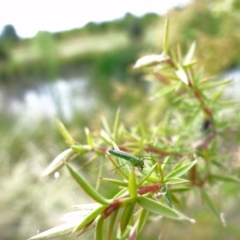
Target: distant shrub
<point>9,33</point>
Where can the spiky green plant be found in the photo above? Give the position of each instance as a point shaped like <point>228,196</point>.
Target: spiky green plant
<point>151,186</point>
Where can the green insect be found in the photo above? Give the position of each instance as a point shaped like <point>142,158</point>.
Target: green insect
<point>136,162</point>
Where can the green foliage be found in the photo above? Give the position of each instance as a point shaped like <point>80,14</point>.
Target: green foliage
<point>111,69</point>
<point>213,24</point>
<point>128,23</point>
<point>3,53</point>
<point>190,161</point>
<point>46,47</point>
<point>135,30</point>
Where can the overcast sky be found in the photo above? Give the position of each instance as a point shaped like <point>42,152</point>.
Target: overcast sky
<point>30,16</point>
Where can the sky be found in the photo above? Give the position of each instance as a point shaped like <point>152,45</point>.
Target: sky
<point>30,16</point>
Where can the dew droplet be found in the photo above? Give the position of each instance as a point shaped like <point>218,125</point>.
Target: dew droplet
<point>56,175</point>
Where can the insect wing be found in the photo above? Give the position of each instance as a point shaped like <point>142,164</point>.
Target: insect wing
<point>122,157</point>
<point>128,157</point>
<point>121,154</point>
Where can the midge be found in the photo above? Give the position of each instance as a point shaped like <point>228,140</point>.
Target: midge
<point>136,162</point>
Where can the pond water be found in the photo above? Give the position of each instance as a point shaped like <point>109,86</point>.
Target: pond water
<point>46,99</point>
<point>233,88</point>
<point>67,95</point>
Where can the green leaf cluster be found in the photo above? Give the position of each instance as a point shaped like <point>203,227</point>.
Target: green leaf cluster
<point>179,159</point>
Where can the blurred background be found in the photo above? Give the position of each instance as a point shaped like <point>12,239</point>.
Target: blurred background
<point>72,59</point>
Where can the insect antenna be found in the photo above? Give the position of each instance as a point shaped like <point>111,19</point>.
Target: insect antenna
<point>155,158</point>
<point>119,167</point>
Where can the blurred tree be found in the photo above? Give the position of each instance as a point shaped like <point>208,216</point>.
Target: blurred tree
<point>149,18</point>
<point>135,30</point>
<point>221,5</point>
<point>46,48</point>
<point>133,26</point>
<point>9,33</point>
<point>91,27</point>
<point>236,5</point>
<point>214,26</point>
<point>200,20</point>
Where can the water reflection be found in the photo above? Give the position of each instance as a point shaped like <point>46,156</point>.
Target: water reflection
<point>45,99</point>
<point>65,96</point>
<point>233,88</point>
